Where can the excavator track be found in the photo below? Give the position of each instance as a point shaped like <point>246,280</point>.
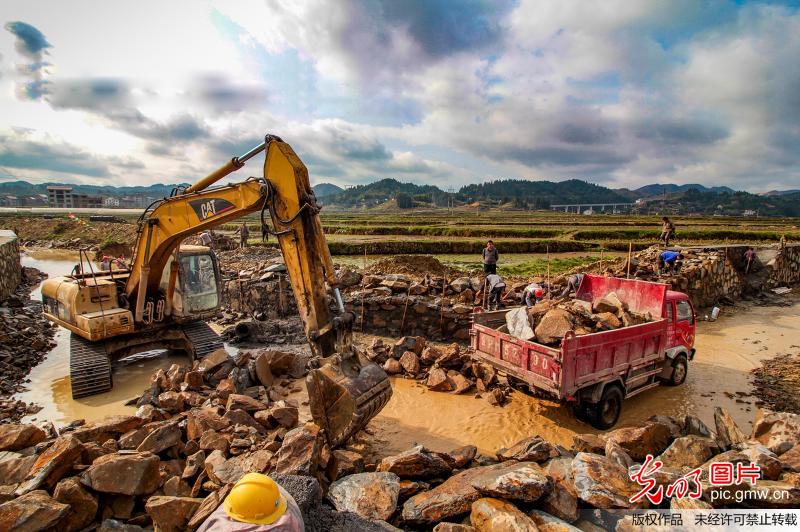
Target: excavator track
<point>203,338</point>
<point>89,367</point>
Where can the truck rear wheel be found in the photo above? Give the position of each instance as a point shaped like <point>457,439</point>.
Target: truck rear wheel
<point>607,410</point>
<point>680,368</point>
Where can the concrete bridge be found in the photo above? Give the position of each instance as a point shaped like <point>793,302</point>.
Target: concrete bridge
<point>593,206</point>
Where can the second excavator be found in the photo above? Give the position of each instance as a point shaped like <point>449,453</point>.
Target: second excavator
<point>161,299</point>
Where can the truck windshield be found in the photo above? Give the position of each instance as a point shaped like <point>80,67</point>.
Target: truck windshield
<point>199,283</point>
<point>685,311</point>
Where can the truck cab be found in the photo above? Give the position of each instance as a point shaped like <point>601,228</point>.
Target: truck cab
<point>681,324</point>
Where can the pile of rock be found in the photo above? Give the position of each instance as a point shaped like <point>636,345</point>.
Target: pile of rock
<point>548,321</point>
<point>197,430</point>
<point>442,369</point>
<point>25,338</point>
<point>534,484</point>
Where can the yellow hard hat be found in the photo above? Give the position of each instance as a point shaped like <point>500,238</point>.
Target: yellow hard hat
<point>256,499</point>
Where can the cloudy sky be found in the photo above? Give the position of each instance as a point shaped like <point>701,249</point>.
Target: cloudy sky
<point>618,92</point>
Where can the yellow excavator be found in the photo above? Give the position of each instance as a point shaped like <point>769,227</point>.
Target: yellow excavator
<point>162,297</point>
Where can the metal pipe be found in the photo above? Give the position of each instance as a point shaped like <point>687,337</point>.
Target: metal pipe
<point>338,295</point>
<point>226,169</point>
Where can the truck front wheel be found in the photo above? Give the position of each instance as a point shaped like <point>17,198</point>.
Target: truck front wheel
<point>679,370</point>
<point>608,408</point>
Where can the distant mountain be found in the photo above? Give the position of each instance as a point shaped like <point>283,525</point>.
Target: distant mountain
<point>381,191</point>
<point>549,192</point>
<point>658,189</point>
<point>781,192</point>
<point>326,189</point>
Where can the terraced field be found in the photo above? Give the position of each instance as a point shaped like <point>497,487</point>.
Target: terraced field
<point>523,238</point>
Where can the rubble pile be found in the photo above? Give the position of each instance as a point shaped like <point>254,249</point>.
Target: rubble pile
<point>171,468</point>
<point>548,321</point>
<point>25,338</point>
<point>197,430</point>
<point>440,368</point>
<point>776,382</point>
<point>710,275</point>
<point>249,258</point>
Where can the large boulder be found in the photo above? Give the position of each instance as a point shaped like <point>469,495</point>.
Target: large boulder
<point>532,449</point>
<point>461,457</point>
<point>779,431</point>
<point>124,474</point>
<point>617,454</point>
<point>221,470</point>
<point>18,437</point>
<point>562,500</point>
<point>33,511</point>
<point>790,460</point>
<point>300,452</point>
<point>370,495</point>
<point>108,428</point>
<point>520,481</point>
<point>244,402</point>
<point>171,514</point>
<point>553,325</point>
<point>343,463</point>
<point>83,505</point>
<point>760,455</point>
<point>550,523</point>
<point>689,451</point>
<point>165,435</point>
<point>53,464</point>
<point>417,462</point>
<point>451,498</point>
<point>410,363</point>
<point>408,343</point>
<point>602,483</point>
<point>638,442</point>
<point>728,432</point>
<point>438,381</point>
<point>494,515</point>
<point>14,467</point>
<point>201,420</point>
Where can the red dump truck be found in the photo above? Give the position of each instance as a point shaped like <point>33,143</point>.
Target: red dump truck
<point>595,372</point>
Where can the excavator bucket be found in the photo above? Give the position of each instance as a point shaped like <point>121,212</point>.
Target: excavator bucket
<point>345,395</point>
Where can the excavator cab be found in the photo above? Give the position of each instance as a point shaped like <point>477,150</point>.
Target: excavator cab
<point>197,287</point>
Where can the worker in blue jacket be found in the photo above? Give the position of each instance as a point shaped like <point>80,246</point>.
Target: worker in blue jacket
<point>669,261</point>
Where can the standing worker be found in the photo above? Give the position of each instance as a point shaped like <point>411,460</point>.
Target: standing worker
<point>244,234</point>
<point>667,230</point>
<point>494,285</point>
<point>669,261</point>
<point>490,256</point>
<point>749,258</point>
<point>256,503</point>
<point>533,294</point>
<point>205,239</point>
<point>264,233</point>
<point>573,282</point>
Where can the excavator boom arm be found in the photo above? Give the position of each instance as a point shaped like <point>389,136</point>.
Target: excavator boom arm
<point>173,219</point>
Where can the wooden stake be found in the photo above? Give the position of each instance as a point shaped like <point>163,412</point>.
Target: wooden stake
<point>441,308</point>
<point>601,262</point>
<point>630,252</point>
<point>405,309</point>
<point>548,265</point>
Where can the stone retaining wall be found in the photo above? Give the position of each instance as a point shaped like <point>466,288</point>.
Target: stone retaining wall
<point>712,274</point>
<point>10,266</point>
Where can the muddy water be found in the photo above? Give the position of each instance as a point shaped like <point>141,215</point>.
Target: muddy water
<point>726,352</point>
<point>49,385</point>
